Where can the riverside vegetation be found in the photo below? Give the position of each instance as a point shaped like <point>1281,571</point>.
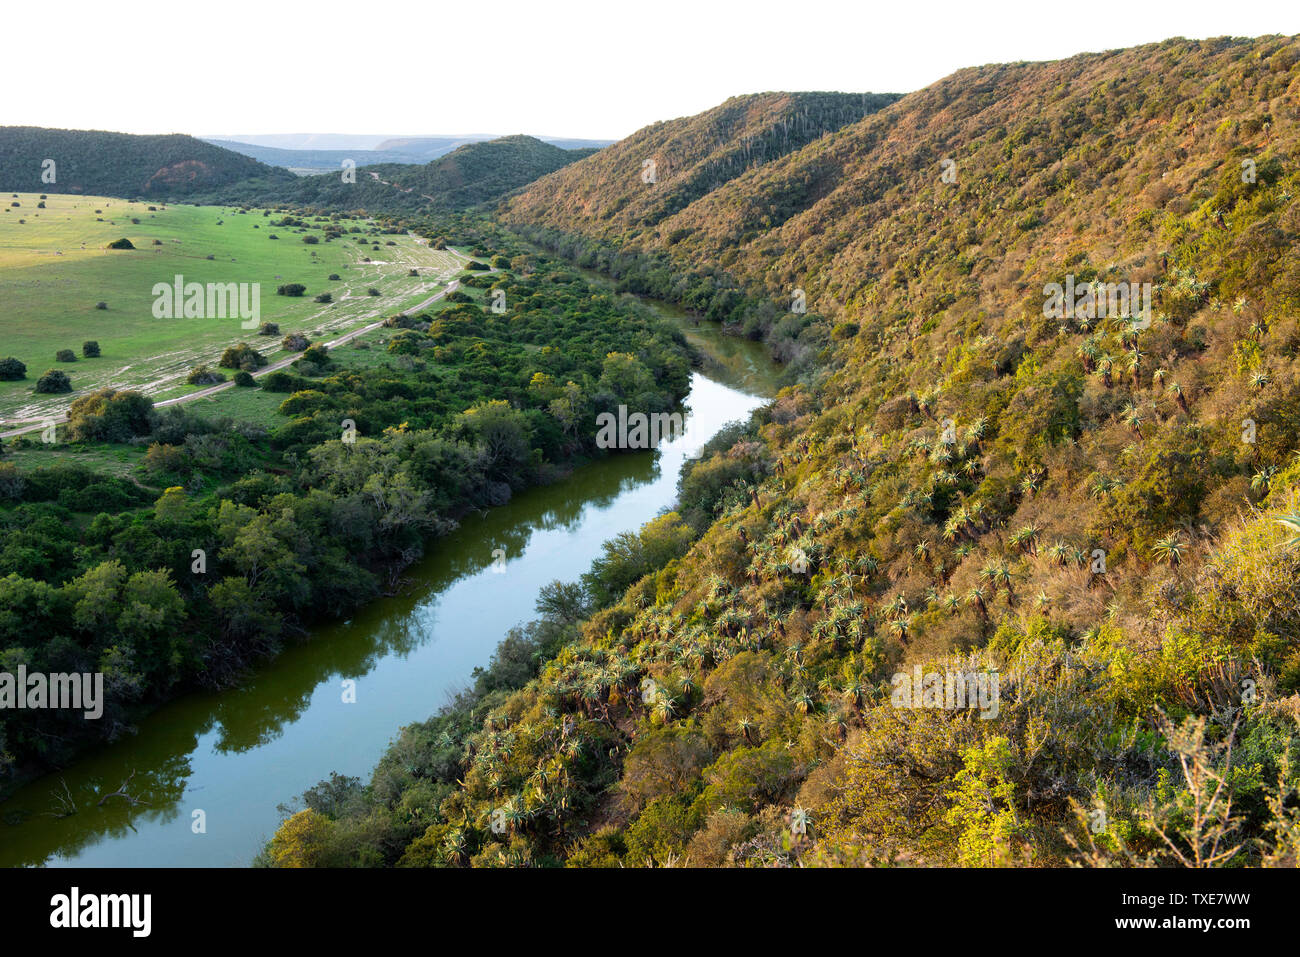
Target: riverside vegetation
<point>1100,510</point>
<point>224,537</point>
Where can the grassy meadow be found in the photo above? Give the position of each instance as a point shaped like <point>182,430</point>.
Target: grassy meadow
<point>55,268</point>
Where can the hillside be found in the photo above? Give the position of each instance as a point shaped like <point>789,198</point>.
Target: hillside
<point>691,157</point>
<point>94,162</point>
<point>1089,515</point>
<point>480,172</point>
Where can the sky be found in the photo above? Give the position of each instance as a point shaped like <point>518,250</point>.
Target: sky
<point>572,68</point>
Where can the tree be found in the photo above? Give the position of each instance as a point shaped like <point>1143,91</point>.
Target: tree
<point>299,841</point>
<point>242,356</point>
<point>202,375</point>
<point>110,415</point>
<point>502,432</point>
<point>54,381</point>
<point>563,602</point>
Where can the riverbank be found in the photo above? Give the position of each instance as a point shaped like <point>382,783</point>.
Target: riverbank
<point>333,703</point>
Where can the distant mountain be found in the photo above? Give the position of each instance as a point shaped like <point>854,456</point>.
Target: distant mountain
<point>326,152</point>
<point>122,164</point>
<point>471,175</point>
<point>432,147</point>
<point>317,161</point>
<point>305,141</point>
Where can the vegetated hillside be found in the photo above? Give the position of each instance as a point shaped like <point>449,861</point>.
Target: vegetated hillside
<point>481,172</point>
<point>99,163</point>
<point>473,174</point>
<point>1096,513</point>
<point>618,194</point>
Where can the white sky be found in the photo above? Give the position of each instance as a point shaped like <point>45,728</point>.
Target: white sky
<point>580,68</point>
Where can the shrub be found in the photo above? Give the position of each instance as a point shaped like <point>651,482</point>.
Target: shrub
<point>372,291</point>
<point>291,289</point>
<point>244,379</point>
<point>334,277</point>
<point>65,355</point>
<point>54,381</point>
<point>101,305</point>
<point>202,375</point>
<point>122,243</point>
<point>295,342</point>
<point>317,354</point>
<point>325,297</point>
<point>242,356</point>
<point>90,349</point>
<point>269,329</point>
<point>110,415</point>
<point>11,370</point>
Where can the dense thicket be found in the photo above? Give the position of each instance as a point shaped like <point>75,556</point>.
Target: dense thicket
<point>236,537</point>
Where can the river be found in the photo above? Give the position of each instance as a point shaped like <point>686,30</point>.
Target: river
<point>228,758</point>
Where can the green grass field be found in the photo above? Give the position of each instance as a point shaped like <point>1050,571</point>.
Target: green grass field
<point>55,268</point>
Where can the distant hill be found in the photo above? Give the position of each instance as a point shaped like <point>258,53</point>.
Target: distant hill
<point>480,172</point>
<point>328,155</point>
<point>314,160</point>
<point>122,164</point>
<point>474,174</point>
<point>432,147</point>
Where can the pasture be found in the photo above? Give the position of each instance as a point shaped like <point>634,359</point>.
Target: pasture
<point>55,268</point>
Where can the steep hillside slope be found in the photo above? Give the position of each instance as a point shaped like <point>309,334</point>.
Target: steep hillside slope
<point>999,581</point>
<point>652,175</point>
<point>35,159</point>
